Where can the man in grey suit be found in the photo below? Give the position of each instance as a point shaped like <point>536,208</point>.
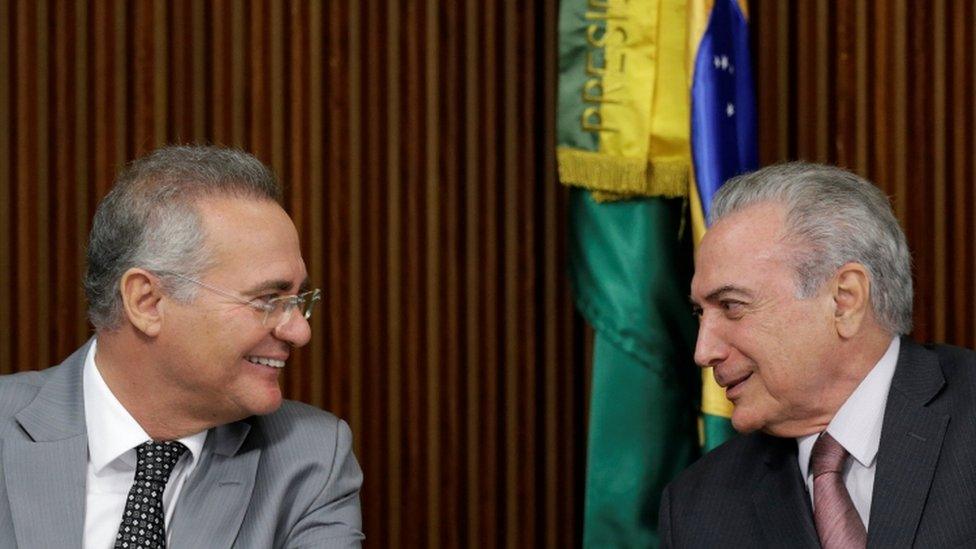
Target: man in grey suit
<point>169,425</point>
<point>852,435</point>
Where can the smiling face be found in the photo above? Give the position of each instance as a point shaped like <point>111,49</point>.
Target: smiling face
<point>216,354</point>
<point>774,353</point>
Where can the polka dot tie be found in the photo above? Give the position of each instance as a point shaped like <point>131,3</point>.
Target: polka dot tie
<point>143,521</point>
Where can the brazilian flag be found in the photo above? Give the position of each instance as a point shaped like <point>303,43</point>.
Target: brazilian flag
<point>627,131</point>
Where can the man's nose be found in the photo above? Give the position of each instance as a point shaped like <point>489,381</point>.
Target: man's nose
<point>711,347</point>
<point>296,331</point>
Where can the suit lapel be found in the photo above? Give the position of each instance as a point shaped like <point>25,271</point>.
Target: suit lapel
<point>780,499</point>
<point>215,498</point>
<point>911,439</point>
<point>45,475</point>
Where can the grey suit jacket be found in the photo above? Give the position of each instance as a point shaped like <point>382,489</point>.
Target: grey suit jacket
<point>748,492</point>
<point>288,479</point>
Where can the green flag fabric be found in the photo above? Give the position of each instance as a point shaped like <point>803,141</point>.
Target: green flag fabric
<point>630,267</point>
<point>623,143</point>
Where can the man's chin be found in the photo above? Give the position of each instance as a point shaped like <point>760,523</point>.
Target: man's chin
<point>261,401</point>
<point>744,424</point>
<point>268,405</point>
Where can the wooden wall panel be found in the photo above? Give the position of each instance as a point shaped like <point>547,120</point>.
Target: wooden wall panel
<point>884,87</point>
<point>415,142</point>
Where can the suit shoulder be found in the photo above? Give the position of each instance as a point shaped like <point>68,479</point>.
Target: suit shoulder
<point>292,411</point>
<point>299,424</point>
<point>952,358</point>
<point>30,378</point>
<point>18,390</point>
<point>730,463</point>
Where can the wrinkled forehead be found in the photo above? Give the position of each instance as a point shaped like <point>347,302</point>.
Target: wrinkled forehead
<point>230,221</point>
<point>745,246</point>
<point>251,236</point>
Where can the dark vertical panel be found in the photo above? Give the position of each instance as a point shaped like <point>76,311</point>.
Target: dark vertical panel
<point>961,168</point>
<point>299,151</point>
<point>219,77</point>
<point>510,187</point>
<point>144,64</point>
<point>552,459</point>
<point>160,74</point>
<point>448,164</point>
<point>822,75</point>
<point>897,154</point>
<point>939,171</point>
<point>395,279</point>
<point>276,75</point>
<point>375,362</point>
<point>493,532</point>
<point>199,83</point>
<point>882,70</point>
<point>315,244</point>
<point>433,246</point>
<point>918,220</point>
<point>238,86</point>
<point>7,138</point>
<point>525,154</point>
<point>410,101</point>
<point>39,175</point>
<point>352,122</point>
<point>120,113</point>
<point>473,304</point>
<point>179,27</point>
<point>63,235</point>
<point>258,85</point>
<point>101,96</point>
<point>81,179</point>
<point>25,143</point>
<point>842,90</point>
<point>772,84</point>
<point>969,150</point>
<point>805,89</point>
<point>860,88</point>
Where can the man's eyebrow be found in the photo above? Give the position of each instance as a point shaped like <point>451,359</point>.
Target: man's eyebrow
<point>277,285</point>
<point>717,294</point>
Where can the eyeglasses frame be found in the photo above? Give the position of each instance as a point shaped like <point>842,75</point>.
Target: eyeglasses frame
<point>310,297</point>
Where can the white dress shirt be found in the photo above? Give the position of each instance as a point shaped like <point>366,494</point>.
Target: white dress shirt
<point>113,436</point>
<point>857,427</point>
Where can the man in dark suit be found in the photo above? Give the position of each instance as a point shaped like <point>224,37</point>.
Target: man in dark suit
<point>169,427</point>
<point>852,434</point>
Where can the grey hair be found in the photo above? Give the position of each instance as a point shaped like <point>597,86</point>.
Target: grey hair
<point>149,220</point>
<point>832,217</point>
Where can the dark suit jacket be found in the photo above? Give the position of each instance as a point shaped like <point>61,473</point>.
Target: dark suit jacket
<point>748,492</point>
<point>288,479</point>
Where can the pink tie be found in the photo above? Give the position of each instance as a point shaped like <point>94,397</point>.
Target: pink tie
<point>838,524</point>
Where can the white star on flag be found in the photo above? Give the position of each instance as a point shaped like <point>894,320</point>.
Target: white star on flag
<point>729,109</point>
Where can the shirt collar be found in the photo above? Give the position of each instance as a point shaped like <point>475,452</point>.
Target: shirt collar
<point>857,424</point>
<point>112,431</point>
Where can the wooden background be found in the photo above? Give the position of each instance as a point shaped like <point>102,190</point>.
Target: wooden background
<point>885,88</point>
<point>415,139</point>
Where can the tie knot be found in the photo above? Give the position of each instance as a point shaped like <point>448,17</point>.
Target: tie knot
<point>828,456</point>
<point>155,460</point>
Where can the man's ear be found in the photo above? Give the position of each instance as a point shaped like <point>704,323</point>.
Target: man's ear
<point>851,288</point>
<point>141,297</point>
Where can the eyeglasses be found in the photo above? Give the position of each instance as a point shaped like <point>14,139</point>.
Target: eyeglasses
<point>277,311</point>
